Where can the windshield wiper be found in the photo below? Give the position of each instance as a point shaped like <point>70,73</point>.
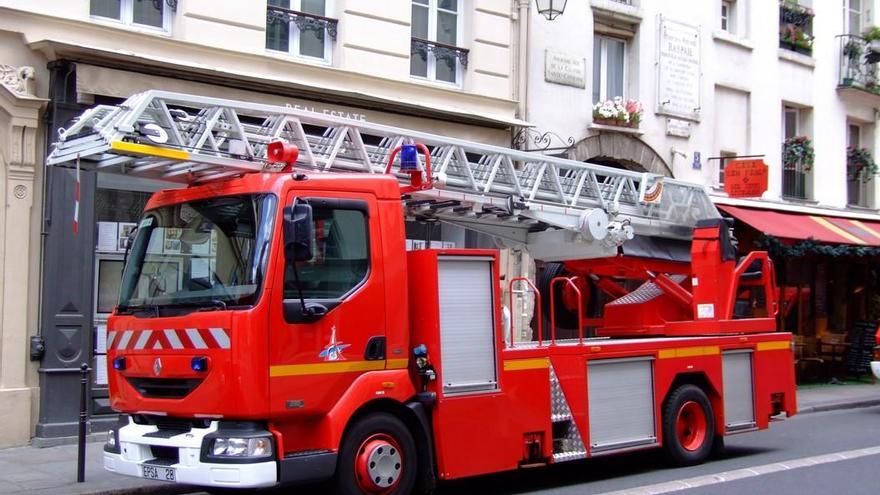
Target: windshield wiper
<point>215,304</point>
<point>135,308</point>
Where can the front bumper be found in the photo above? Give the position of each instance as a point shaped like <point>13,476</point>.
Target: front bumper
<point>875,368</point>
<point>138,443</point>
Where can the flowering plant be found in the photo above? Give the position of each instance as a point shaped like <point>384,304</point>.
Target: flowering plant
<point>796,36</point>
<point>619,111</point>
<point>798,150</point>
<point>860,164</point>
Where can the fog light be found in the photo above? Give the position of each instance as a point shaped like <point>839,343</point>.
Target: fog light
<point>200,363</point>
<point>119,363</point>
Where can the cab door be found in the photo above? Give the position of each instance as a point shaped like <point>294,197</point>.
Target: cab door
<point>314,358</point>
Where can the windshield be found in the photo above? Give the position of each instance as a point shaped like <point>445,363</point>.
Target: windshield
<point>207,253</point>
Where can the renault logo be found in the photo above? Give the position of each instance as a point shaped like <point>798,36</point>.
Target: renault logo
<point>157,366</point>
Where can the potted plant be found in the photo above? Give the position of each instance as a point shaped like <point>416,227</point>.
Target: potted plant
<point>798,150</point>
<point>860,165</point>
<point>618,112</point>
<point>796,39</point>
<point>872,38</point>
<point>852,53</point>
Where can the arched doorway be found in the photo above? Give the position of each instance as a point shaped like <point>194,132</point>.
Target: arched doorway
<point>620,150</point>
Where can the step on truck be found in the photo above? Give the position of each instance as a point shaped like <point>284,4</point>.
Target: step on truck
<point>273,328</point>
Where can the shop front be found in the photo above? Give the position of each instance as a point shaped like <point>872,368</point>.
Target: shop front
<point>829,283</point>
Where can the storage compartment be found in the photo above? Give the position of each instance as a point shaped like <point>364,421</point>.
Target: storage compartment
<point>621,403</point>
<point>739,394</point>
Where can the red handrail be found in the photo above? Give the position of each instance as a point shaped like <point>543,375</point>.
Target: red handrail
<point>580,313</point>
<point>768,280</point>
<point>537,305</point>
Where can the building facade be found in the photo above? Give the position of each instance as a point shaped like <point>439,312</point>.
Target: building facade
<point>699,84</point>
<point>444,66</point>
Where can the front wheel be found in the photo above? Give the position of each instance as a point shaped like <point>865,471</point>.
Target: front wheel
<point>378,456</point>
<point>688,426</point>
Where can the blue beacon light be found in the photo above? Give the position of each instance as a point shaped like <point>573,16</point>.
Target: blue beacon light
<point>409,158</point>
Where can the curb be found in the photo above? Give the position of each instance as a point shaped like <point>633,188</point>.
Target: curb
<point>836,406</point>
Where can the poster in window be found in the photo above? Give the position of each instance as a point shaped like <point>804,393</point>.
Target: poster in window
<point>125,229</point>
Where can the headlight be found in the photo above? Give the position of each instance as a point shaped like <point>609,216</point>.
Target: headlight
<point>111,439</point>
<point>242,447</point>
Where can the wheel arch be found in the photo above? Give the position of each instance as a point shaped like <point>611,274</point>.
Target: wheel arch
<point>417,420</point>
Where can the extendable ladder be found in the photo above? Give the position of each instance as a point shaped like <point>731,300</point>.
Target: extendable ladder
<point>563,208</point>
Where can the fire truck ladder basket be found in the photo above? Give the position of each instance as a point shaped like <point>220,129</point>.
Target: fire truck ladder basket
<point>505,192</point>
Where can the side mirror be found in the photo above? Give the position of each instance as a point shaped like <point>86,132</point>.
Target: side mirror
<point>298,232</point>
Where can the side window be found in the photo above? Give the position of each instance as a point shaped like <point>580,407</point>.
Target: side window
<point>341,256</point>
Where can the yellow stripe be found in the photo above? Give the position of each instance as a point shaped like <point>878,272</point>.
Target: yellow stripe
<point>526,364</point>
<point>774,346</point>
<point>709,350</point>
<point>145,149</point>
<point>867,229</point>
<point>837,230</point>
<point>325,368</point>
<point>396,364</point>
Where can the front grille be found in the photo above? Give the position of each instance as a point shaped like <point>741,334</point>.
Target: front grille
<point>164,388</point>
<point>165,456</point>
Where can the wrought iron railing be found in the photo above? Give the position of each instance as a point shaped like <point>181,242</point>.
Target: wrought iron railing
<point>857,192</point>
<point>303,20</point>
<point>795,27</point>
<point>858,63</point>
<point>440,50</point>
<point>794,180</point>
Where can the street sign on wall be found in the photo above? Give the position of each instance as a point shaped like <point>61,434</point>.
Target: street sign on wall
<point>745,178</point>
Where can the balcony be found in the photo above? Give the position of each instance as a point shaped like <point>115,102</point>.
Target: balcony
<point>796,28</point>
<point>858,64</point>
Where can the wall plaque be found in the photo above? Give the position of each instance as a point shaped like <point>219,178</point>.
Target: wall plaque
<point>678,70</point>
<point>567,70</point>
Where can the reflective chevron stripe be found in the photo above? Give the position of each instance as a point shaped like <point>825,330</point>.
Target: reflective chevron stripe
<point>169,338</point>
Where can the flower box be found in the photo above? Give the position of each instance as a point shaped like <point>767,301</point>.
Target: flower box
<point>618,112</point>
<point>614,122</point>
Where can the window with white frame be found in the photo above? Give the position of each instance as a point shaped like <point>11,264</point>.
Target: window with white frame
<point>852,16</point>
<point>609,67</point>
<point>435,54</point>
<point>728,16</point>
<point>858,173</point>
<point>154,14</point>
<point>795,168</point>
<point>300,27</point>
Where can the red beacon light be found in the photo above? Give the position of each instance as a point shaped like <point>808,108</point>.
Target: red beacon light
<point>409,163</point>
<point>280,156</point>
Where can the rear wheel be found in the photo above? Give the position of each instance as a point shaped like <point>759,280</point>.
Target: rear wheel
<point>688,426</point>
<point>378,456</point>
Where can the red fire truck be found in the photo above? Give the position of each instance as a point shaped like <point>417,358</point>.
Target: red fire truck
<point>273,328</point>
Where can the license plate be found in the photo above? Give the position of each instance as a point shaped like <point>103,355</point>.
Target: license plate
<point>160,473</point>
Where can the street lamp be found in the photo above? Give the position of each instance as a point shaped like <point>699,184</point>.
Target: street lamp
<point>551,9</point>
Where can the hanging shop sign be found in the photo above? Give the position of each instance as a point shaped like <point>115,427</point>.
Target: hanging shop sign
<point>745,178</point>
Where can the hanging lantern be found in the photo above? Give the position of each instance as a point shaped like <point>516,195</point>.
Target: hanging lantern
<point>551,9</point>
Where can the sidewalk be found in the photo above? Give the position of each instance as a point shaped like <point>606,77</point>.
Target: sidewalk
<point>52,470</point>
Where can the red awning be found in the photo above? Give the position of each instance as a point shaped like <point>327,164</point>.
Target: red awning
<point>820,228</point>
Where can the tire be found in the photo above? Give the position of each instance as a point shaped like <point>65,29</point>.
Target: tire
<point>566,320</point>
<point>378,456</point>
<point>688,426</point>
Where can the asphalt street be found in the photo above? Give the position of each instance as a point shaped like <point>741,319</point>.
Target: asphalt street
<point>802,437</point>
<point>792,457</point>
